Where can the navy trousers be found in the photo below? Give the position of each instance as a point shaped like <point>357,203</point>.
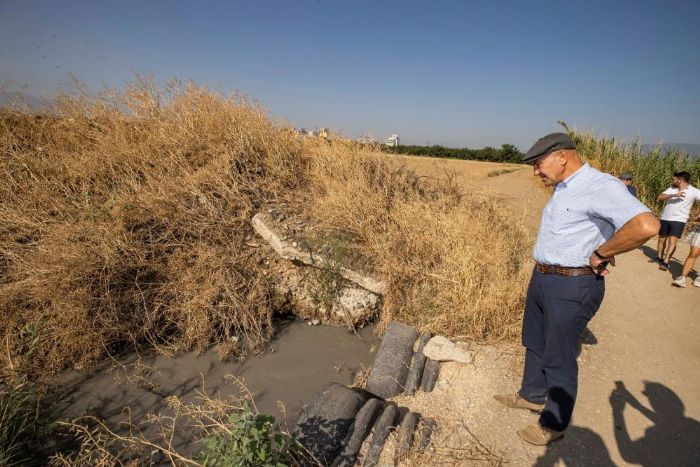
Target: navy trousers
<point>556,313</point>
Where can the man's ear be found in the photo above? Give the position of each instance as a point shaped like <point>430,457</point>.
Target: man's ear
<point>563,157</point>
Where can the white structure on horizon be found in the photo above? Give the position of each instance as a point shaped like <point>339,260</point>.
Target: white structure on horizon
<point>322,132</point>
<point>367,139</point>
<point>393,140</point>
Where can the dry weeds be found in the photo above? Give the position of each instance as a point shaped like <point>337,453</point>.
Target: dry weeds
<point>123,218</point>
<point>455,261</point>
<point>127,445</point>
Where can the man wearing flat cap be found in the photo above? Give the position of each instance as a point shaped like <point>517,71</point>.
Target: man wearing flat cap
<point>590,218</point>
<point>626,178</point>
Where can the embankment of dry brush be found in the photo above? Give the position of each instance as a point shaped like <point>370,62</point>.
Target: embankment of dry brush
<point>123,217</point>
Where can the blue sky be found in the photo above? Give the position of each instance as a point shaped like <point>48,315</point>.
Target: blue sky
<point>455,73</point>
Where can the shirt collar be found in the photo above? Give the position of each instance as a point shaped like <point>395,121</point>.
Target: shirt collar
<point>572,178</point>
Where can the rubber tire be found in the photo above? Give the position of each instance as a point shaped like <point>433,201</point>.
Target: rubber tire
<point>381,430</point>
<point>406,431</point>
<point>324,423</point>
<point>357,433</point>
<point>426,429</point>
<point>403,411</point>
<point>430,375</point>
<point>415,373</point>
<point>387,378</point>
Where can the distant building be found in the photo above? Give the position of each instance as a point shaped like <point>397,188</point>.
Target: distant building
<point>367,139</point>
<point>393,140</point>
<point>321,133</point>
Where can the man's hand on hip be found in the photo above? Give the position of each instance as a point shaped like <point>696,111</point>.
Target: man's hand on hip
<point>599,265</point>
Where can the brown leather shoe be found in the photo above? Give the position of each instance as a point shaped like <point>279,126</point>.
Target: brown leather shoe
<point>539,435</point>
<point>514,401</point>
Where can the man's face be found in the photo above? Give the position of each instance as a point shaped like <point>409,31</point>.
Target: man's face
<point>675,182</point>
<point>550,168</point>
<point>626,181</point>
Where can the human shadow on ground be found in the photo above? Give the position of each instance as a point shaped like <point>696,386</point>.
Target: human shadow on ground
<point>673,439</point>
<point>580,446</point>
<point>648,251</point>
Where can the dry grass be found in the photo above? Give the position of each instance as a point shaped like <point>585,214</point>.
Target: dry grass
<point>470,175</point>
<point>123,217</point>
<point>455,262</point>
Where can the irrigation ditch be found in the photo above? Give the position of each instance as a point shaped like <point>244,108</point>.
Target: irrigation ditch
<point>340,420</point>
<point>329,387</point>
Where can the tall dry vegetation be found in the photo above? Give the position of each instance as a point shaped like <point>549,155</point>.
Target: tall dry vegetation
<point>456,262</point>
<point>123,217</point>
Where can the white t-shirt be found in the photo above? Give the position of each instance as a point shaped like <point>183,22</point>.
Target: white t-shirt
<point>678,209</point>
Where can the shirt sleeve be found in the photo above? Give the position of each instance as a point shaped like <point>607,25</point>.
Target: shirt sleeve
<point>613,203</point>
<point>669,191</point>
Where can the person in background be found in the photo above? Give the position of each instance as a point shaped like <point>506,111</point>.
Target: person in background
<point>626,178</point>
<point>679,198</point>
<point>589,219</point>
<point>693,255</point>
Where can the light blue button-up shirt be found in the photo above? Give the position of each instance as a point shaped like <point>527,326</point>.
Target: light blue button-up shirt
<point>584,212</point>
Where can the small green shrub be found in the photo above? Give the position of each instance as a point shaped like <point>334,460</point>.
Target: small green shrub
<point>324,280</point>
<point>251,439</point>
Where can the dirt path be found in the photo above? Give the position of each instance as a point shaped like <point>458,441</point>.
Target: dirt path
<point>644,337</point>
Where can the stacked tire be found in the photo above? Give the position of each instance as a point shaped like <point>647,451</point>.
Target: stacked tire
<point>339,420</point>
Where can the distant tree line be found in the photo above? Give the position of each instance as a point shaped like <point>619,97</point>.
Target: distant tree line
<point>507,152</point>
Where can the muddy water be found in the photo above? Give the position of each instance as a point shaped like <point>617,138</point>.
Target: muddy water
<point>298,363</point>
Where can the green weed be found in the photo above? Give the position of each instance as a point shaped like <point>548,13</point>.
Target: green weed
<point>325,283</point>
<point>651,171</point>
<point>251,439</point>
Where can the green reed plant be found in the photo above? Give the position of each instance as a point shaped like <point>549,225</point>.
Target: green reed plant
<point>651,170</point>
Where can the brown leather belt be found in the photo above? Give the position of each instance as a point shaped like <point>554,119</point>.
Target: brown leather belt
<point>562,270</point>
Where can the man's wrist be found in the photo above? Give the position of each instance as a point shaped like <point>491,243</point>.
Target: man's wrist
<point>601,256</point>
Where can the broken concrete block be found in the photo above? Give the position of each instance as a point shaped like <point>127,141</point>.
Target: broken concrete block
<point>263,227</point>
<point>356,303</point>
<point>353,305</point>
<point>441,349</point>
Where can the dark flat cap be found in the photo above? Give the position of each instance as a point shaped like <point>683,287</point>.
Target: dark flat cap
<point>547,144</point>
<point>625,176</point>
